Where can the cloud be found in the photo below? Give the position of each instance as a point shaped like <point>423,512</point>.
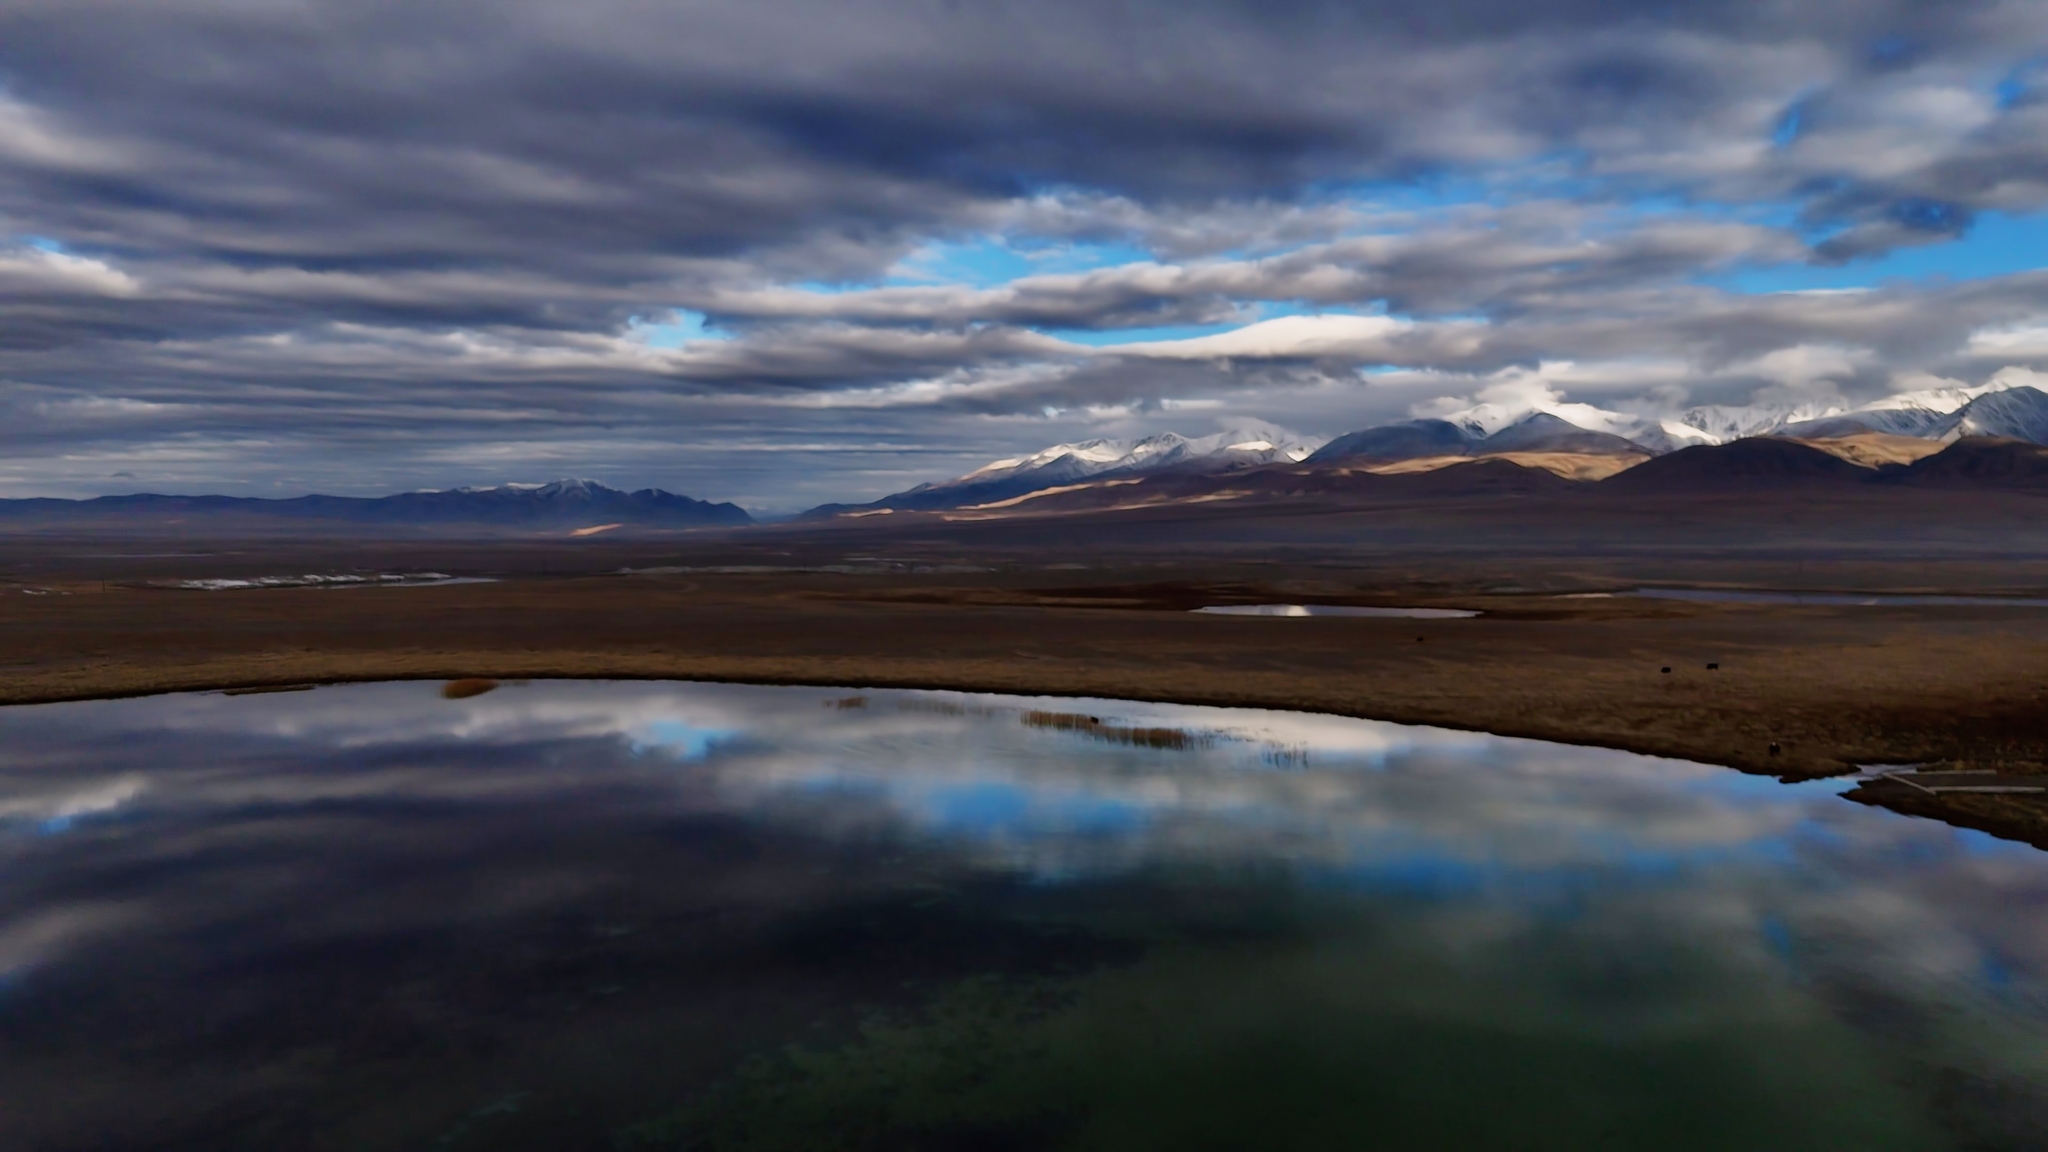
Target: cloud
<point>333,246</point>
<point>1290,337</point>
<point>1480,259</point>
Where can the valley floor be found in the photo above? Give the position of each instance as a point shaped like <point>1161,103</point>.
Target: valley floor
<point>1833,687</point>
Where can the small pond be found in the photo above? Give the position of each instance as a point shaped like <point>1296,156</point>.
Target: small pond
<point>604,915</point>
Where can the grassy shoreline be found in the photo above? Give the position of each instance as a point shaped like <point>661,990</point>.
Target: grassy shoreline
<point>1832,687</point>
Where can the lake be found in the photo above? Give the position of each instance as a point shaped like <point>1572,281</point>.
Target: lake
<point>613,915</point>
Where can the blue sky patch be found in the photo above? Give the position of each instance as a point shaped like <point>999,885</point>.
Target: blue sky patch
<point>992,261</point>
<point>1996,244</point>
<point>683,328</point>
<point>685,740</point>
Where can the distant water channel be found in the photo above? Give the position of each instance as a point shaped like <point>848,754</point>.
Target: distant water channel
<point>660,915</point>
<point>1844,599</point>
<point>1336,610</point>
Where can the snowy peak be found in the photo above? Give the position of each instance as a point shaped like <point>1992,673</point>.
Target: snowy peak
<point>1244,446</point>
<point>1719,423</point>
<point>1251,444</point>
<point>568,487</point>
<point>2012,413</point>
<point>1549,432</point>
<point>571,501</point>
<point>1938,399</point>
<point>2002,408</point>
<point>1542,430</point>
<point>1931,413</point>
<point>572,488</point>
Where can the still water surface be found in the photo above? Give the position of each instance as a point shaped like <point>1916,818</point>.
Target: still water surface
<point>1837,599</point>
<point>1335,610</point>
<point>645,915</point>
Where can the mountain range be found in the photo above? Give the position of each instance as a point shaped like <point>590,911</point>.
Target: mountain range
<point>1954,437</point>
<point>1574,441</point>
<point>565,505</point>
<point>1747,470</point>
<point>2008,411</point>
<point>1095,461</point>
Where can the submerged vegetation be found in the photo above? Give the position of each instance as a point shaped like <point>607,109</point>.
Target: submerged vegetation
<point>1283,1041</point>
<point>1174,739</point>
<point>976,1072</point>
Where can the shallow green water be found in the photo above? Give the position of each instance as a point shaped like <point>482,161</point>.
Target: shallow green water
<point>602,915</point>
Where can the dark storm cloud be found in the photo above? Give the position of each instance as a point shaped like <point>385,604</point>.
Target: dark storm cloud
<point>603,142</point>
<point>236,231</point>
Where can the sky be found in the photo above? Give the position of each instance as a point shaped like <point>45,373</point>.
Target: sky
<point>787,253</point>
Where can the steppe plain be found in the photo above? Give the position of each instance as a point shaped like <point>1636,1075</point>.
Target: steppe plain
<point>1098,604</point>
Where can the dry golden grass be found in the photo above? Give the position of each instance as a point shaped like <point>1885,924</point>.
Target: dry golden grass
<point>1583,466</point>
<point>465,688</point>
<point>1870,449</point>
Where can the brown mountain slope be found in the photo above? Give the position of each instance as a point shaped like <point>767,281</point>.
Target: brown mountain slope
<point>1979,462</point>
<point>1876,449</point>
<point>1454,477</point>
<point>1568,465</point>
<point>1761,463</point>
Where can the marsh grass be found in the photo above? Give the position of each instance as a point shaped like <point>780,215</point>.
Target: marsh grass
<point>465,688</point>
<point>1174,739</point>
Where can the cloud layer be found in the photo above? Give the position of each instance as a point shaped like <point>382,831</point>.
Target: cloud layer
<point>259,247</point>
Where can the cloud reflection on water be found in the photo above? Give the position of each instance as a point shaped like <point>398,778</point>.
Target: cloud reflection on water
<point>1382,805</point>
<point>306,825</point>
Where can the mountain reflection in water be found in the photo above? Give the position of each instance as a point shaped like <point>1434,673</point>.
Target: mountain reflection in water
<point>643,915</point>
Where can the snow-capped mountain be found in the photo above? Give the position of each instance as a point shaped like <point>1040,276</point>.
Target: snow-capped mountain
<point>2003,408</point>
<point>2013,413</point>
<point>572,488</point>
<point>1255,444</point>
<point>1931,413</point>
<point>558,502</point>
<point>1536,431</point>
<point>1655,434</point>
<point>1241,447</point>
<point>1720,423</point>
<point>1999,408</point>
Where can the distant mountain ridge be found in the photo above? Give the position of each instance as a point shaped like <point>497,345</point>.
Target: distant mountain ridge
<point>2001,408</point>
<point>2005,411</point>
<point>1575,439</point>
<point>1752,471</point>
<point>561,505</point>
<point>1532,432</point>
<point>1092,460</point>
